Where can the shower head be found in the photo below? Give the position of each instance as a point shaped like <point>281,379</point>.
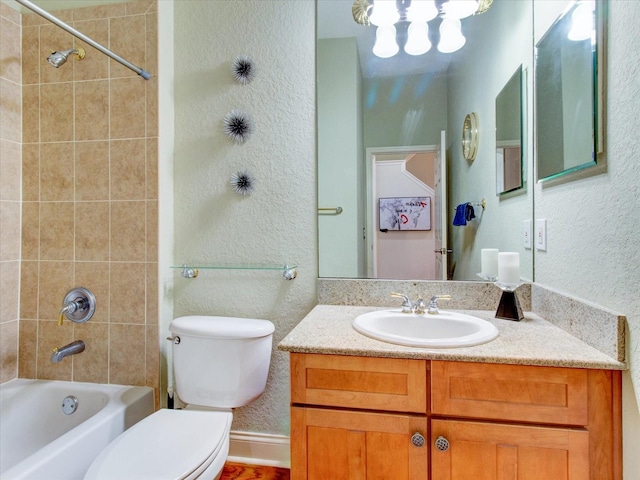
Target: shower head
<point>58,58</point>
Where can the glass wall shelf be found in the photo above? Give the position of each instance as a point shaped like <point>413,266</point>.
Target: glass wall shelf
<point>289,272</point>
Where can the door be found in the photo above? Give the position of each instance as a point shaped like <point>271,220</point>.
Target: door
<point>441,209</point>
<point>351,445</point>
<point>485,451</point>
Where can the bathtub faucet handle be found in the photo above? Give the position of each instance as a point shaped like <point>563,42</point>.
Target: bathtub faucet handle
<point>78,306</point>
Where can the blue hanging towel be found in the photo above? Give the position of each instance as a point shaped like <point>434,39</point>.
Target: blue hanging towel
<point>460,220</point>
<point>470,212</point>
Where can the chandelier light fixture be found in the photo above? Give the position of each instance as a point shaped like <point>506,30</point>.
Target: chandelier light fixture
<point>413,17</point>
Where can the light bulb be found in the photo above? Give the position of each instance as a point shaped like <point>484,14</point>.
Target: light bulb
<point>582,22</point>
<point>460,8</point>
<point>451,38</point>
<point>417,39</point>
<point>422,11</point>
<point>384,13</point>
<point>386,45</point>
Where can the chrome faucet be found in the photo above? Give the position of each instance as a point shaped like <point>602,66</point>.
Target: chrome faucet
<point>407,307</point>
<point>432,308</point>
<point>71,349</point>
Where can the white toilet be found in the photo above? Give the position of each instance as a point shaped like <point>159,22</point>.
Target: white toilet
<point>219,363</point>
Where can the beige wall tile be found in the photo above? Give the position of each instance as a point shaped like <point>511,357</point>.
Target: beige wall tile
<point>11,118</point>
<point>141,6</point>
<point>152,317</point>
<point>50,336</point>
<point>30,18</point>
<point>95,277</point>
<point>92,231</point>
<point>92,365</point>
<point>92,110</point>
<point>95,64</point>
<point>9,230</point>
<point>31,113</point>
<point>28,349</point>
<point>127,354</point>
<point>30,230</point>
<point>9,291</point>
<point>92,170</point>
<point>128,231</point>
<point>152,106</point>
<point>10,174</point>
<point>128,296</point>
<point>56,230</point>
<point>29,290</point>
<point>151,47</point>
<point>128,159</point>
<point>56,172</point>
<point>55,280</point>
<point>127,107</point>
<point>56,112</point>
<point>8,351</point>
<point>10,46</point>
<point>31,59</point>
<point>100,11</point>
<point>152,168</point>
<point>127,37</point>
<point>31,172</point>
<point>152,357</point>
<point>9,13</point>
<point>152,231</point>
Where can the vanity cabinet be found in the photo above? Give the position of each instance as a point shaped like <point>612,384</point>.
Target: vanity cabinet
<point>365,417</point>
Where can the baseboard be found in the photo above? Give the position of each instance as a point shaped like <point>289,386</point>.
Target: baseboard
<point>259,449</point>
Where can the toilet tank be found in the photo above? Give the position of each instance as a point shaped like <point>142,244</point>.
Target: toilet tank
<point>220,361</point>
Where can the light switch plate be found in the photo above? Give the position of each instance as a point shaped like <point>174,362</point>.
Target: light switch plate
<point>541,235</point>
<point>526,233</point>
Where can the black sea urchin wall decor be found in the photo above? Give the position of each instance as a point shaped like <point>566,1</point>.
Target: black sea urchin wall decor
<point>243,69</point>
<point>238,126</point>
<point>243,182</point>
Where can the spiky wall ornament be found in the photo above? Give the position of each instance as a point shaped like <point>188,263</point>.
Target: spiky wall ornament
<point>238,126</point>
<point>243,182</point>
<point>243,69</point>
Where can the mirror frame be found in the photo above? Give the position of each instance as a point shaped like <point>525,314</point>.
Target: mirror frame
<point>520,76</point>
<point>598,163</point>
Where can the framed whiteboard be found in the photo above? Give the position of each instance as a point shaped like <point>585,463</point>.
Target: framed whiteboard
<point>404,213</point>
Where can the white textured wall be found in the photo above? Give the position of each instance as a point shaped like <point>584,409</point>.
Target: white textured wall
<point>592,228</point>
<point>276,224</point>
<point>475,82</point>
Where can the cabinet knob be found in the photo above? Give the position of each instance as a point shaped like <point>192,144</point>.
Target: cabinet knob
<point>417,439</point>
<point>442,444</point>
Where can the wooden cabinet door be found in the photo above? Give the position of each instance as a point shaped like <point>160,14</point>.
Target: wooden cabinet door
<point>485,451</point>
<point>350,445</point>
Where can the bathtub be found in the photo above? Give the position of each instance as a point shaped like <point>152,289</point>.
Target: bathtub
<point>39,441</point>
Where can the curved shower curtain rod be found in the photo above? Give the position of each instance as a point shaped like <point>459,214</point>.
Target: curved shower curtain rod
<point>43,13</point>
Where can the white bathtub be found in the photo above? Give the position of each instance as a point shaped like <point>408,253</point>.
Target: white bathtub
<point>38,441</point>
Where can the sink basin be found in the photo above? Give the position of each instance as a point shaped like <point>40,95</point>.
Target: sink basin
<point>443,330</point>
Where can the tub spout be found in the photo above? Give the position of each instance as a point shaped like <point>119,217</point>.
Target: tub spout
<point>71,349</point>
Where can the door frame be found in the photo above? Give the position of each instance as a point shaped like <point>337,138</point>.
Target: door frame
<point>370,200</point>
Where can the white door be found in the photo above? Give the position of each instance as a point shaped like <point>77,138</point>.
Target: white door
<point>440,208</point>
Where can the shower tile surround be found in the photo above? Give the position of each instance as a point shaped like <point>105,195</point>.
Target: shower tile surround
<point>88,141</point>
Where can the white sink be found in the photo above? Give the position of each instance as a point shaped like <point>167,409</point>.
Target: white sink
<point>442,330</point>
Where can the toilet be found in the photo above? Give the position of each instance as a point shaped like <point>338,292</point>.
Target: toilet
<point>219,363</point>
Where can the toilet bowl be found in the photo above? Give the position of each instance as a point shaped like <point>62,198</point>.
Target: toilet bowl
<point>219,363</point>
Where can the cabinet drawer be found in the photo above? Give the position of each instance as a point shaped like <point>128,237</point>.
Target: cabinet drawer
<point>359,382</point>
<point>510,392</point>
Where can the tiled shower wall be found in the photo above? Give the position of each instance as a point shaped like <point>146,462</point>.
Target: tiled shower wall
<point>10,120</point>
<point>90,196</point>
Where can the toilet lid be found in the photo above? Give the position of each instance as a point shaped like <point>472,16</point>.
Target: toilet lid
<point>169,444</point>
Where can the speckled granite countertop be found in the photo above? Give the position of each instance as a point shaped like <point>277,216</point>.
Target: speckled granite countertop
<point>533,341</point>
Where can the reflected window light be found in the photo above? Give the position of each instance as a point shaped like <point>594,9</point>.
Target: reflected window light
<point>460,8</point>
<point>386,45</point>
<point>417,39</point>
<point>422,11</point>
<point>384,13</point>
<point>582,22</point>
<point>451,38</point>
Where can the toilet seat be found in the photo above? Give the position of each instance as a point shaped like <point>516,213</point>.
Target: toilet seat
<point>169,444</point>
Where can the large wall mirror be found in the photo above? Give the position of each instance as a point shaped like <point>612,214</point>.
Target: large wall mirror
<point>392,127</point>
<point>509,135</point>
<point>567,111</point>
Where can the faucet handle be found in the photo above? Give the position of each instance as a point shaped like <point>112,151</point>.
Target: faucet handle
<point>407,307</point>
<point>433,303</point>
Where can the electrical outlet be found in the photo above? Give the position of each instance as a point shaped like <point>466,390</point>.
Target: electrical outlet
<point>526,233</point>
<point>541,235</point>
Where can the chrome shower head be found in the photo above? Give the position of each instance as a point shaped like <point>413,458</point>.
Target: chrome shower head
<point>58,58</point>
